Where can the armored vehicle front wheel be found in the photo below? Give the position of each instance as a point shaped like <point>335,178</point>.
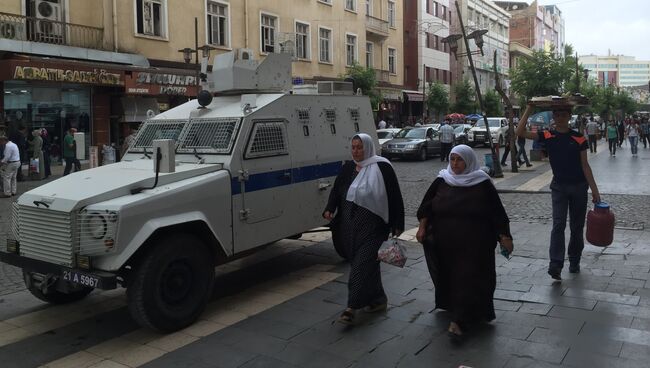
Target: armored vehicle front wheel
<point>172,284</point>
<point>53,295</point>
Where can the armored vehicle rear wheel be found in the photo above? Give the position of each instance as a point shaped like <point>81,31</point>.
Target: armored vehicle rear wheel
<point>172,284</point>
<point>55,296</point>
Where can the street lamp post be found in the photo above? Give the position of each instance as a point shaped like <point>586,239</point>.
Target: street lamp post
<point>477,35</point>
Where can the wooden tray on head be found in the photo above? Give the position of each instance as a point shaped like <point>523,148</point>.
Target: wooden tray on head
<point>558,101</point>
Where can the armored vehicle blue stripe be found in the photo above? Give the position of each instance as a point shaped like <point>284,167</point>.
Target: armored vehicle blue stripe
<point>279,178</point>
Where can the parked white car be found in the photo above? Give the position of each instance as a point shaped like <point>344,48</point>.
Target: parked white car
<point>498,127</point>
<point>387,134</point>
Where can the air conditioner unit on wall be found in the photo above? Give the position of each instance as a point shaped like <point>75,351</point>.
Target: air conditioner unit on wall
<point>48,14</point>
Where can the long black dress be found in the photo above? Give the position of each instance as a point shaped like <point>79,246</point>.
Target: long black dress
<point>463,227</point>
<point>358,233</point>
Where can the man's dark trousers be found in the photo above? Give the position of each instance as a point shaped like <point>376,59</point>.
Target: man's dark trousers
<point>69,161</point>
<point>445,148</point>
<point>592,142</point>
<point>571,198</point>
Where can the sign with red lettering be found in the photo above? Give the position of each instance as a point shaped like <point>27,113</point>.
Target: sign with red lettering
<point>147,83</point>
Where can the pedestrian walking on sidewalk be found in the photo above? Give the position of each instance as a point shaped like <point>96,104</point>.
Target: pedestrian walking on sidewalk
<point>592,132</point>
<point>612,137</point>
<point>621,132</point>
<point>521,142</point>
<point>632,132</point>
<point>70,152</point>
<point>645,132</point>
<point>506,150</point>
<point>461,263</point>
<point>446,140</point>
<point>9,166</point>
<point>572,176</point>
<point>364,207</point>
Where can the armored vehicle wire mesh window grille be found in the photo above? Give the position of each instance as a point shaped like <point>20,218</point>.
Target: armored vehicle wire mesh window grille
<point>303,114</point>
<point>161,129</point>
<point>208,136</point>
<point>330,115</point>
<point>354,114</point>
<point>268,139</point>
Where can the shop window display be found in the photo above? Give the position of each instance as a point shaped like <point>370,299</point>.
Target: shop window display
<point>53,108</point>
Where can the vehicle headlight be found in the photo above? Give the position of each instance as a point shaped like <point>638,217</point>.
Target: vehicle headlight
<point>96,226</point>
<point>411,146</point>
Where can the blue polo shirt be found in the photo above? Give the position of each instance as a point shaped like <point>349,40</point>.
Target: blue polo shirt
<point>564,154</point>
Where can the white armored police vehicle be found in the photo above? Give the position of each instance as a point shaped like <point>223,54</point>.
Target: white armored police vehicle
<point>203,183</point>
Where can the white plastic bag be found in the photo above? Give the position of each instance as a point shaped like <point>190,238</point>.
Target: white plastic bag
<point>393,252</point>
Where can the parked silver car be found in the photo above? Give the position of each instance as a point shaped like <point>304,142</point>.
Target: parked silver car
<point>419,143</point>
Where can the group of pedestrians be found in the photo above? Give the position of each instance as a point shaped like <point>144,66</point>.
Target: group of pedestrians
<point>632,129</point>
<point>365,207</point>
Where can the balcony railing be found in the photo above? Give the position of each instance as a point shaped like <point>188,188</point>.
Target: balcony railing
<point>382,75</point>
<point>21,28</point>
<point>377,25</point>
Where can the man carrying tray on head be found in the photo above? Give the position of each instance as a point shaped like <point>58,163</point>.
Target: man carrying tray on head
<point>572,176</point>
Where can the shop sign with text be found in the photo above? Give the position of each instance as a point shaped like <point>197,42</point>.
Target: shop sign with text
<point>68,75</point>
<point>145,83</point>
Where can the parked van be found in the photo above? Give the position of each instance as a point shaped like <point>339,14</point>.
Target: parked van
<point>204,183</point>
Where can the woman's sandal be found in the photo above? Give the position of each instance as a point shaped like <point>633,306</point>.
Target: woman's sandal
<point>347,317</point>
<point>375,307</point>
<point>455,333</point>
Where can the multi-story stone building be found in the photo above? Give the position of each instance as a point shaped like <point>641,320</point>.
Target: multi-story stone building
<point>534,26</point>
<point>99,64</point>
<point>617,70</point>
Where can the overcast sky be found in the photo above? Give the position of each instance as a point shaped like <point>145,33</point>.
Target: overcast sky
<point>596,26</point>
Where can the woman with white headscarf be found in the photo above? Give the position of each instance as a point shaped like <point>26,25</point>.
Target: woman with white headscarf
<point>365,205</point>
<point>461,219</point>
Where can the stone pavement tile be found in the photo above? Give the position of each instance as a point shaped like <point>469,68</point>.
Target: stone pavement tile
<point>508,295</point>
<point>627,310</point>
<point>401,285</point>
<point>304,356</point>
<point>391,352</point>
<point>506,345</point>
<point>604,318</point>
<point>527,362</point>
<point>581,359</point>
<point>640,324</point>
<point>535,308</point>
<point>627,282</point>
<point>513,286</point>
<point>271,327</point>
<point>635,351</point>
<point>602,296</point>
<point>618,289</point>
<point>506,305</point>
<point>574,341</point>
<point>204,354</point>
<point>263,361</point>
<point>490,330</point>
<point>618,333</point>
<point>303,312</point>
<point>600,272</point>
<point>532,320</point>
<point>559,300</point>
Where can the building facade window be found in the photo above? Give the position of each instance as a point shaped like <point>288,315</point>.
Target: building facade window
<point>150,17</point>
<point>268,30</point>
<point>325,45</point>
<point>351,5</point>
<point>329,2</point>
<point>350,49</point>
<point>218,24</point>
<point>369,54</point>
<point>302,40</point>
<point>392,60</point>
<point>391,14</point>
<point>369,7</point>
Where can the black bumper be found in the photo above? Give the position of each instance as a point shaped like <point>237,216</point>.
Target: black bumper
<point>106,280</point>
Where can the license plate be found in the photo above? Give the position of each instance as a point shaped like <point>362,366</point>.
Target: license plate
<point>81,278</point>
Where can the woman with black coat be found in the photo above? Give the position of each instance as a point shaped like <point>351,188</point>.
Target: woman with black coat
<point>365,206</point>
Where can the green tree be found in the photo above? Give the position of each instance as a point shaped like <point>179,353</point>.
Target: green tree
<point>365,79</point>
<point>626,103</point>
<point>493,104</point>
<point>437,99</point>
<point>465,98</point>
<point>545,73</point>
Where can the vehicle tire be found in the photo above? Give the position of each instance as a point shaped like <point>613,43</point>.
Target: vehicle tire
<point>422,156</point>
<point>56,296</point>
<point>172,284</point>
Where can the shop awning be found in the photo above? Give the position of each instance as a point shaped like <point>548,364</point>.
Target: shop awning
<point>137,109</point>
<point>413,97</point>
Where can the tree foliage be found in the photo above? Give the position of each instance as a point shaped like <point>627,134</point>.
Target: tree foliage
<point>465,98</point>
<point>492,103</point>
<point>365,79</point>
<point>437,99</point>
<point>545,73</point>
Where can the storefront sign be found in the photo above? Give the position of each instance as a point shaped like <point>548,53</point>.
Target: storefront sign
<point>94,76</point>
<point>145,83</point>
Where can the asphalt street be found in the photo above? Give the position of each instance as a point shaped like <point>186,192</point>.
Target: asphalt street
<point>277,308</point>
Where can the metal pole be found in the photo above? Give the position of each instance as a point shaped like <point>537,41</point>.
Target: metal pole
<point>496,163</point>
<point>196,52</point>
<point>424,88</point>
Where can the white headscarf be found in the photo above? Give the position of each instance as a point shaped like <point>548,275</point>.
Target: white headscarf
<point>472,174</point>
<point>368,189</point>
